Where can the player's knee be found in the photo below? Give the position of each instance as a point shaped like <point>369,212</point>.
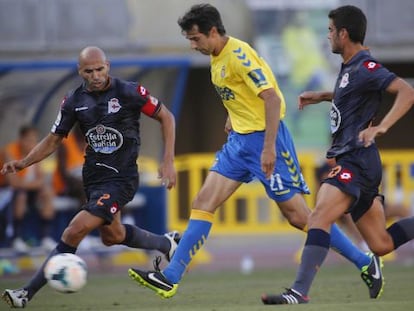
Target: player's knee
<point>295,216</point>
<point>297,220</point>
<point>318,219</point>
<point>203,204</point>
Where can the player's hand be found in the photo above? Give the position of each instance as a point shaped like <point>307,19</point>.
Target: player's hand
<point>308,98</point>
<point>367,136</point>
<point>268,160</point>
<point>167,174</point>
<point>12,167</point>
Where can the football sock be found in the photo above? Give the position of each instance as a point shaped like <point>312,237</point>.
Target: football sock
<point>39,280</point>
<point>192,240</point>
<point>344,246</point>
<point>136,237</point>
<point>314,253</point>
<point>402,231</point>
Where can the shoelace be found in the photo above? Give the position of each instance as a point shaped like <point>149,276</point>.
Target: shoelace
<point>156,263</point>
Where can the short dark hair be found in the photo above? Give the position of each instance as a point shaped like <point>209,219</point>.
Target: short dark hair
<point>205,16</point>
<point>352,19</point>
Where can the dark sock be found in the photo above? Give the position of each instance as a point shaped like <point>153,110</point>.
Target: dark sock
<point>402,231</point>
<point>136,237</point>
<point>314,253</point>
<point>38,280</point>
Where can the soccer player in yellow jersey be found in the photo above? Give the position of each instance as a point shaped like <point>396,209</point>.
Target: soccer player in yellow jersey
<point>244,82</point>
<point>259,146</point>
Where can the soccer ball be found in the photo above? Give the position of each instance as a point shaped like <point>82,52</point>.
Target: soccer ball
<point>66,273</point>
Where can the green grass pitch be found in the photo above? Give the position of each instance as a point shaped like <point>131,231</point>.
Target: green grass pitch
<point>337,287</point>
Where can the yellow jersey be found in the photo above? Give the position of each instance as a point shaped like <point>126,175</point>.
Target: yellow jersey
<point>239,75</point>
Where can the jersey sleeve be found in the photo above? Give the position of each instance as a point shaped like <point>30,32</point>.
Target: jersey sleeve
<point>152,105</point>
<point>65,118</point>
<point>252,70</point>
<point>376,76</point>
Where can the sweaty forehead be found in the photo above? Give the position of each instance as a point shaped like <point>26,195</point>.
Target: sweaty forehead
<point>192,33</point>
<point>92,64</point>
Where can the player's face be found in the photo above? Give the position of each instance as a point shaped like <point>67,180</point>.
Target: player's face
<point>95,73</point>
<point>334,38</point>
<point>199,41</point>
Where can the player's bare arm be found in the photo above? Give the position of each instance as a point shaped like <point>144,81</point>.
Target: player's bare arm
<point>166,171</point>
<point>403,102</point>
<point>272,111</point>
<point>313,97</point>
<point>42,150</point>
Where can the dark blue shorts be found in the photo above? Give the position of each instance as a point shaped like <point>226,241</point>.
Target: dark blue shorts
<point>239,159</point>
<point>106,199</point>
<point>358,173</point>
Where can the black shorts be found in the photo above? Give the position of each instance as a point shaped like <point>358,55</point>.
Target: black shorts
<point>106,199</point>
<point>358,173</point>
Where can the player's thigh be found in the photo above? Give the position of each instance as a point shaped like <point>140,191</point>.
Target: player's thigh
<point>81,225</point>
<point>214,192</point>
<point>331,203</point>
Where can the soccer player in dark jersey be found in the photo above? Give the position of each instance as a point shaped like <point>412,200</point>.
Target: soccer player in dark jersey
<point>108,112</point>
<point>352,185</point>
<point>259,146</point>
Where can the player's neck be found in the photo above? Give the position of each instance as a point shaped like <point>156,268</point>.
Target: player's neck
<point>220,46</point>
<point>351,50</point>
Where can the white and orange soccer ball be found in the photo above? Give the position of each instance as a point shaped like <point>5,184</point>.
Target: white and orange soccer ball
<point>66,273</point>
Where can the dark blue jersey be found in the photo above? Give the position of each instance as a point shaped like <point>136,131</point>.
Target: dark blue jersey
<point>356,100</point>
<point>109,120</point>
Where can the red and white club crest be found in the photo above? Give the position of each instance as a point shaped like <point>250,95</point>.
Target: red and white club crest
<point>114,208</point>
<point>371,66</point>
<point>142,91</point>
<point>345,176</point>
<point>113,105</point>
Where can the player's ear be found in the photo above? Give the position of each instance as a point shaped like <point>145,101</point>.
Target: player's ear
<point>343,33</point>
<point>213,31</point>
